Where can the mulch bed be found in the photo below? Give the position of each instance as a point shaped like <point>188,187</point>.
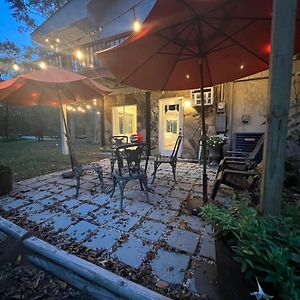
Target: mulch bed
<point>19,279</point>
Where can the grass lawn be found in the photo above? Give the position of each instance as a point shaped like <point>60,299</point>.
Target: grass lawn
<point>29,159</point>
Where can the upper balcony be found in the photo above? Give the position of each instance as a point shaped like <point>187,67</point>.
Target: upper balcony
<point>88,26</point>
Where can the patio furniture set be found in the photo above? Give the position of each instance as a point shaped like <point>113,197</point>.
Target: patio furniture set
<point>235,170</point>
<point>132,162</point>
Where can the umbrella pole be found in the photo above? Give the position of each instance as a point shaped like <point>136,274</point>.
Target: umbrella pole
<point>204,135</point>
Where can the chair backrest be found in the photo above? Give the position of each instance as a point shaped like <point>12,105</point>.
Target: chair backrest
<point>129,158</point>
<point>176,147</point>
<point>257,148</point>
<point>117,140</point>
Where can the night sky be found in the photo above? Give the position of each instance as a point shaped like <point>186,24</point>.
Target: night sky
<point>9,27</point>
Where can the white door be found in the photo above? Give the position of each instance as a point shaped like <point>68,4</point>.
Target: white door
<point>170,124</point>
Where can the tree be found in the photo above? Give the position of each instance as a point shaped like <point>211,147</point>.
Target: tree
<point>8,54</point>
<point>27,12</point>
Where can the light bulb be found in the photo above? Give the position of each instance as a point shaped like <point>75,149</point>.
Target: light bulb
<point>42,65</point>
<point>137,25</point>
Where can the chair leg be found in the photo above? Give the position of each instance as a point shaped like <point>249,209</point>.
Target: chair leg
<point>122,188</point>
<point>174,171</point>
<point>217,185</point>
<point>114,186</point>
<point>78,172</point>
<point>156,165</point>
<point>99,171</point>
<point>112,165</point>
<point>141,185</point>
<point>145,183</point>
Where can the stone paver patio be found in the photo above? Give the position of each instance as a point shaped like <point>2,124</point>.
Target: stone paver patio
<point>161,235</point>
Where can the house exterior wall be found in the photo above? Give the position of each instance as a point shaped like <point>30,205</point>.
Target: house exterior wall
<point>191,120</point>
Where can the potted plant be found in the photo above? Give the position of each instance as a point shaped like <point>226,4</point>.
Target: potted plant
<point>266,248</point>
<point>215,145</point>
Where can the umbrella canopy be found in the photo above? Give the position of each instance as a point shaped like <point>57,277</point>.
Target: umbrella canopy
<point>187,44</point>
<point>50,87</point>
<point>229,38</point>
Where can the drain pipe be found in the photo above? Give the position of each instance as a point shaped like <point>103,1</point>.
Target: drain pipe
<point>94,277</point>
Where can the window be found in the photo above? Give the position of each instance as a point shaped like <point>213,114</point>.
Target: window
<point>208,96</point>
<point>124,120</point>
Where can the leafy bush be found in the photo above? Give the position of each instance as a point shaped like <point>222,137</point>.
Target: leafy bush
<point>266,247</point>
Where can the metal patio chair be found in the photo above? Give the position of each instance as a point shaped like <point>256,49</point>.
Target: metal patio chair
<point>116,140</point>
<point>240,155</point>
<point>79,169</point>
<point>241,161</point>
<point>129,158</point>
<point>172,160</point>
<point>246,178</point>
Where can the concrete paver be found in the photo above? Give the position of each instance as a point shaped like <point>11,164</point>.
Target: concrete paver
<point>170,266</point>
<point>81,230</point>
<point>132,252</point>
<point>104,239</point>
<point>150,230</point>
<point>183,240</point>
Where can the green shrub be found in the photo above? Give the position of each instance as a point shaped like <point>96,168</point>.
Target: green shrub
<point>266,247</point>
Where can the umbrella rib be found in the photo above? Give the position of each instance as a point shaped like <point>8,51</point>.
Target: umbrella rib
<point>175,61</point>
<point>151,56</point>
<point>213,49</point>
<point>174,41</point>
<point>236,42</point>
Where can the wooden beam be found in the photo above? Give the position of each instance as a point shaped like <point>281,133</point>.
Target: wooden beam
<point>73,279</point>
<point>281,59</point>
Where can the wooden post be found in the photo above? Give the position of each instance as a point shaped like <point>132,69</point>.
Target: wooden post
<point>102,122</point>
<point>148,118</point>
<point>281,58</point>
<point>64,146</point>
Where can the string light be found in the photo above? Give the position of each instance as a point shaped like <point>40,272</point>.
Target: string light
<point>47,40</point>
<point>57,40</point>
<point>88,106</point>
<point>98,112</point>
<point>187,76</point>
<point>79,54</point>
<point>16,67</point>
<point>241,67</point>
<point>137,25</point>
<point>42,65</point>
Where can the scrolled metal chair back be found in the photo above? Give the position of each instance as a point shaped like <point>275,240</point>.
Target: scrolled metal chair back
<point>129,158</point>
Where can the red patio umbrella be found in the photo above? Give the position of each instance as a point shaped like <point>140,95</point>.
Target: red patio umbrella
<point>187,44</point>
<point>51,86</point>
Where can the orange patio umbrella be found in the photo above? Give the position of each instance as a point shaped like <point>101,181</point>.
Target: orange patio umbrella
<point>189,44</point>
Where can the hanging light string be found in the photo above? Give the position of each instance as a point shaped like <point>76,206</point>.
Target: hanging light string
<point>132,8</point>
